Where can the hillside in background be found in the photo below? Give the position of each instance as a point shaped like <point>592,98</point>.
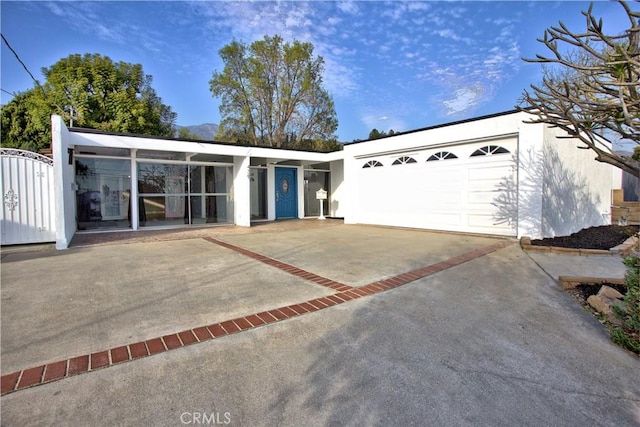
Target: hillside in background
<point>205,131</point>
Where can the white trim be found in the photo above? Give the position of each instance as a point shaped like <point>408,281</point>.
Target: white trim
<point>421,149</point>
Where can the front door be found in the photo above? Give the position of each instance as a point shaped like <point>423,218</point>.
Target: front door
<point>286,193</point>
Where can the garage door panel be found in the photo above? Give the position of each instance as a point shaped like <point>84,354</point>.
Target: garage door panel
<point>480,219</point>
<point>489,174</point>
<point>451,218</point>
<point>482,198</point>
<point>456,195</point>
<point>442,197</point>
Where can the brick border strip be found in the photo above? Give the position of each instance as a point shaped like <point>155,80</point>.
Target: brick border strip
<point>303,274</point>
<point>94,361</point>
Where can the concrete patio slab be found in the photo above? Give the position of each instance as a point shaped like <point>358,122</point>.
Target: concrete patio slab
<point>60,304</point>
<point>478,344</point>
<point>356,254</point>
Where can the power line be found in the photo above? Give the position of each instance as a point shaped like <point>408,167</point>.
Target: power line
<point>10,93</point>
<point>22,63</point>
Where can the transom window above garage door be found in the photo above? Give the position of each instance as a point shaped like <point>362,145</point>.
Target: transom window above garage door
<point>372,164</point>
<point>404,160</point>
<point>442,155</point>
<point>489,150</point>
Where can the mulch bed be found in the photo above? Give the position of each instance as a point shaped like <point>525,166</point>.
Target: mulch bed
<point>602,237</point>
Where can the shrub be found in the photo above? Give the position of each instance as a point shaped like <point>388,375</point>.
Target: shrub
<point>627,334</point>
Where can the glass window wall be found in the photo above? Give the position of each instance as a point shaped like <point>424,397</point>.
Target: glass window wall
<point>313,181</point>
<point>258,193</point>
<point>210,195</point>
<point>104,188</point>
<point>173,194</point>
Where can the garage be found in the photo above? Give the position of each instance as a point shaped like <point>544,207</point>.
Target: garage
<point>461,187</point>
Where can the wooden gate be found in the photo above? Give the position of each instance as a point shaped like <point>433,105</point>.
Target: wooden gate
<point>27,213</point>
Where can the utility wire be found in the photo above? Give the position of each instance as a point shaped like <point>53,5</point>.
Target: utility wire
<point>10,93</point>
<point>4,39</point>
<point>22,63</point>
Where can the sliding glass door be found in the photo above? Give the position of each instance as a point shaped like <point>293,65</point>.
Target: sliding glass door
<point>174,194</point>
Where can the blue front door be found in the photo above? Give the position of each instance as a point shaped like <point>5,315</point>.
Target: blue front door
<point>286,193</point>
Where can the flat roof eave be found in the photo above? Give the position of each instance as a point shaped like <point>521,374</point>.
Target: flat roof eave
<point>92,138</point>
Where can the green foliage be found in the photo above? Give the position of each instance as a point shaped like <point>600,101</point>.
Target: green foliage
<point>627,334</point>
<point>271,93</point>
<point>319,145</point>
<point>23,123</point>
<point>184,133</point>
<point>95,93</point>
<point>375,134</point>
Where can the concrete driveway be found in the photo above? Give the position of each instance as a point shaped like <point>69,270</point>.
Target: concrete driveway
<point>476,334</point>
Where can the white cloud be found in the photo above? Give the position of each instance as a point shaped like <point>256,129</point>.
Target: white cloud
<point>464,99</point>
<point>348,7</point>
<point>450,34</point>
<point>381,118</point>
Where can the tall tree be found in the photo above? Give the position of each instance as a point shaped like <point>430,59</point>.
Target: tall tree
<point>271,93</point>
<point>591,85</point>
<point>90,91</point>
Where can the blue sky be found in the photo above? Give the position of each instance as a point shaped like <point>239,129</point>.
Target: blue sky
<point>388,65</point>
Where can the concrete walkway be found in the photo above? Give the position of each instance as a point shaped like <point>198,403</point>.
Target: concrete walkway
<point>556,265</point>
<point>468,342</point>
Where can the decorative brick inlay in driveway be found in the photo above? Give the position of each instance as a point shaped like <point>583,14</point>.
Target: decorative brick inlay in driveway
<point>90,362</point>
<point>303,274</point>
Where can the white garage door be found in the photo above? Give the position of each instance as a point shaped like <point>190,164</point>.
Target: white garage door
<point>468,189</point>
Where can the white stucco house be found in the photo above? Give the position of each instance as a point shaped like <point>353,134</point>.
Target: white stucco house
<point>491,175</point>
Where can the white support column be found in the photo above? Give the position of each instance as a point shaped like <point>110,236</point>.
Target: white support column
<point>63,182</point>
<point>133,197</point>
<point>300,175</point>
<point>242,191</point>
<point>271,192</point>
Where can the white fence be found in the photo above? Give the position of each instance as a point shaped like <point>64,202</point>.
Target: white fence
<point>28,211</point>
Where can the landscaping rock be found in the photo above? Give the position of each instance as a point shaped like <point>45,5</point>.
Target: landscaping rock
<point>599,304</point>
<point>609,292</point>
<point>604,299</point>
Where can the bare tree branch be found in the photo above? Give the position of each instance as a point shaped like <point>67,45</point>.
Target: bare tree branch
<point>592,87</point>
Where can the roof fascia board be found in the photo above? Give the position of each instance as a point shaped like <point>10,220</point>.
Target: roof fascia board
<point>132,142</point>
<point>436,146</point>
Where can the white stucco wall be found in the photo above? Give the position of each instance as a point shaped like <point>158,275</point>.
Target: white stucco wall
<point>576,188</point>
<point>338,189</point>
<point>63,179</point>
<point>530,184</point>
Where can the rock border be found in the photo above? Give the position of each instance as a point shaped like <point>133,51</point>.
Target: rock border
<point>622,249</point>
<point>570,282</point>
<point>603,300</point>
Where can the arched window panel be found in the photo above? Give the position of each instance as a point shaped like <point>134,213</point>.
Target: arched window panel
<point>442,155</point>
<point>404,160</point>
<point>372,164</point>
<point>490,150</point>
